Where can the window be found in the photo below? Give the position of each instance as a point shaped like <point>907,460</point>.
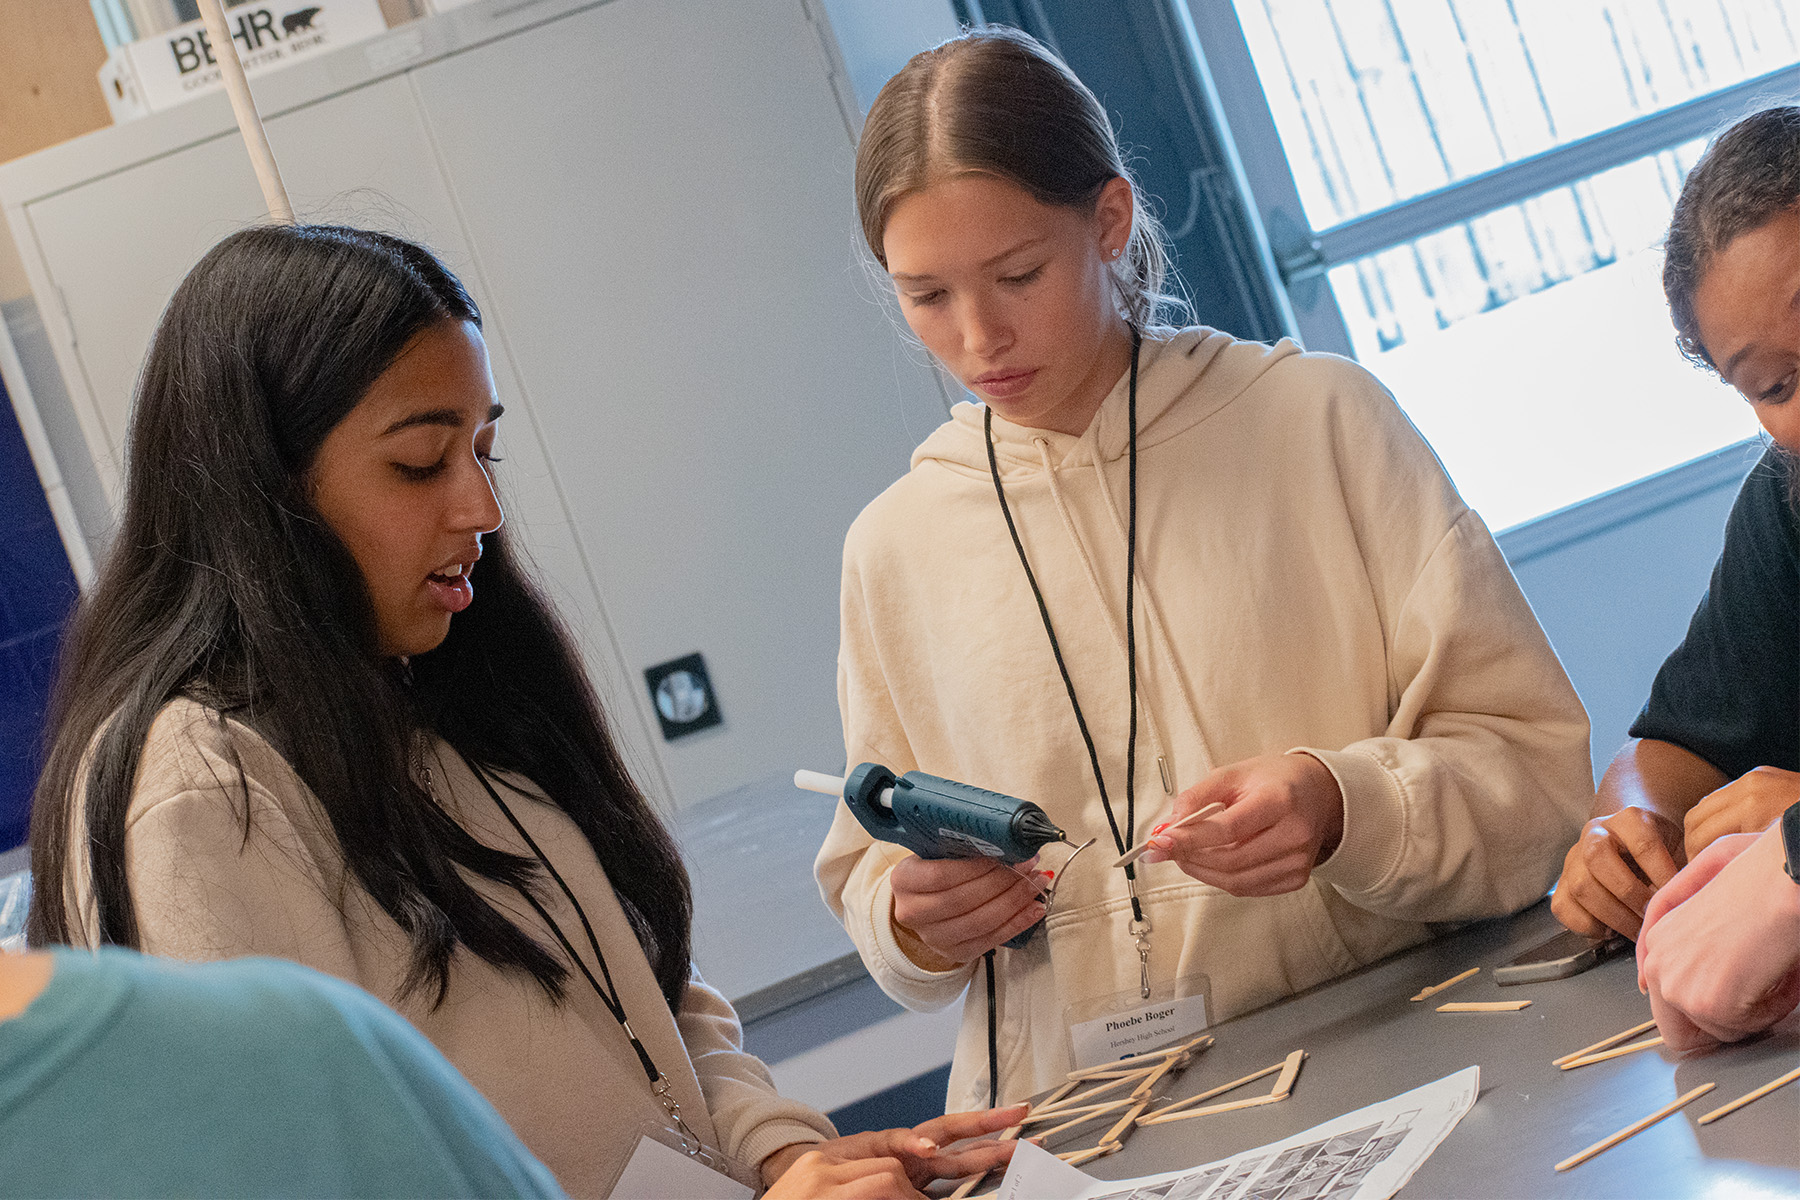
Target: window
<point>1468,196</point>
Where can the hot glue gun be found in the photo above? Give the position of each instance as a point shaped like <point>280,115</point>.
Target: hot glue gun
<point>940,818</point>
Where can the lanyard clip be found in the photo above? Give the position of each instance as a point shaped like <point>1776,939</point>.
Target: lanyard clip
<point>1140,933</point>
<point>690,1142</point>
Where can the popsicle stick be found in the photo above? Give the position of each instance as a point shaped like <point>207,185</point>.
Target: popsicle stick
<point>1451,982</point>
<point>1114,1070</point>
<point>1290,1071</point>
<point>1486,1006</point>
<point>1142,1091</point>
<point>1117,1132</point>
<point>1138,851</point>
<point>1209,1110</point>
<point>1076,1157</point>
<point>1091,1096</point>
<point>968,1185</point>
<point>1218,1091</point>
<point>1747,1097</point>
<point>1606,1043</point>
<point>1082,1110</point>
<point>1607,1143</point>
<point>1099,1111</point>
<point>1589,1059</point>
<point>1149,1059</point>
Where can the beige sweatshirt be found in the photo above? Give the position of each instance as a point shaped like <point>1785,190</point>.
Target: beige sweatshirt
<point>209,883</point>
<point>1307,578</point>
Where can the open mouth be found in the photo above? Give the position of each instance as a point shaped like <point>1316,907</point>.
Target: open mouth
<point>450,586</point>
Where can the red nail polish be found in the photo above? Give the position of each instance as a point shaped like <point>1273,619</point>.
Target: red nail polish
<point>1049,874</point>
<point>1160,828</point>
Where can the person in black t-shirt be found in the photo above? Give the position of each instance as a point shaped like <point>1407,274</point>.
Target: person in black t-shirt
<point>1716,750</point>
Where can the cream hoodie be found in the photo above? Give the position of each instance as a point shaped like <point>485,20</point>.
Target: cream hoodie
<point>1307,578</point>
<point>210,880</point>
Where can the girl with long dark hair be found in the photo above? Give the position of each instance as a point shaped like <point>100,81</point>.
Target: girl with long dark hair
<point>1152,571</point>
<point>315,708</point>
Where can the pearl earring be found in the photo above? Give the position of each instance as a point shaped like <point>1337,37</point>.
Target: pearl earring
<point>1116,252</point>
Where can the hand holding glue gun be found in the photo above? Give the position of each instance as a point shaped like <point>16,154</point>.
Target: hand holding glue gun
<point>973,884</point>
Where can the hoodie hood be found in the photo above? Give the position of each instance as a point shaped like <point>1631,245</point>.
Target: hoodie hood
<point>1184,377</point>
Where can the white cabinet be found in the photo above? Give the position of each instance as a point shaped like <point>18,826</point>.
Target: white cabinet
<point>651,200</point>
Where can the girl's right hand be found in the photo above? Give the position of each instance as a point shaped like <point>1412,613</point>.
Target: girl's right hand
<point>948,911</point>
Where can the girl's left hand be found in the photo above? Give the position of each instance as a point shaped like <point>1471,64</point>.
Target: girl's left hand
<point>919,1150</point>
<point>1284,814</point>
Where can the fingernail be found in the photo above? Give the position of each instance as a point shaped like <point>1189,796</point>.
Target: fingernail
<point>1160,828</point>
<point>1048,874</point>
<point>927,1146</point>
<point>1163,843</point>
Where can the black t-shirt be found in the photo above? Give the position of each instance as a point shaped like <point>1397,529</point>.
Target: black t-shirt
<point>1731,691</point>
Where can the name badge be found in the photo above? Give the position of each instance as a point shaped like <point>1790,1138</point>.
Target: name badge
<point>1144,1026</point>
<point>656,1172</point>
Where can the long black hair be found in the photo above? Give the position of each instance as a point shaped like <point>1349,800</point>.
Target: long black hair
<point>224,585</point>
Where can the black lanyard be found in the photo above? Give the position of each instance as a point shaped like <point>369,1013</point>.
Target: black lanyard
<point>1139,925</point>
<point>1119,837</point>
<point>609,995</point>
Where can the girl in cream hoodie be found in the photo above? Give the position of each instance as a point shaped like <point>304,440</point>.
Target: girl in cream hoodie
<point>1155,571</point>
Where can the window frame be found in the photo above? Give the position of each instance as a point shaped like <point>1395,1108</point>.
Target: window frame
<point>1303,255</point>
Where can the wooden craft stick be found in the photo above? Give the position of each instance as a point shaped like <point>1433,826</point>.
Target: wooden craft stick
<point>1588,1060</point>
<point>1164,1117</point>
<point>1607,1143</point>
<point>1150,1060</point>
<point>968,1185</point>
<point>1117,1132</point>
<point>1747,1097</point>
<point>1080,1110</point>
<point>1114,1070</point>
<point>1138,851</point>
<point>1451,982</point>
<point>1142,1091</point>
<point>1099,1110</point>
<point>1290,1071</point>
<point>1606,1043</point>
<point>1486,1006</point>
<point>1218,1091</point>
<point>1076,1157</point>
<point>1091,1096</point>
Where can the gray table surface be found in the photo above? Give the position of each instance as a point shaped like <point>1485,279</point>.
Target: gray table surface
<point>1366,1042</point>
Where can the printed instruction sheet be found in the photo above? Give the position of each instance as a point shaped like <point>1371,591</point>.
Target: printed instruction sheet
<point>1365,1155</point>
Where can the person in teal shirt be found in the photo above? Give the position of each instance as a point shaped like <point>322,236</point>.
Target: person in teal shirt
<point>125,1075</point>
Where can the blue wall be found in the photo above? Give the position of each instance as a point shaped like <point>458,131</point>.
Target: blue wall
<point>37,590</point>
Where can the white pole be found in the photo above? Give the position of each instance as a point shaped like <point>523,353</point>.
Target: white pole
<point>256,140</point>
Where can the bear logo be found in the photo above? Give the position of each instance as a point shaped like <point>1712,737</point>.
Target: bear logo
<point>298,20</point>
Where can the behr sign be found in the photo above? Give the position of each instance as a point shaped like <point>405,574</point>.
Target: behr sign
<point>165,69</point>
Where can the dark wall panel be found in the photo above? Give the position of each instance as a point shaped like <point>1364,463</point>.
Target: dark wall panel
<point>37,590</point>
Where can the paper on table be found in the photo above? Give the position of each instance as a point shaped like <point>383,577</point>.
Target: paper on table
<point>1368,1154</point>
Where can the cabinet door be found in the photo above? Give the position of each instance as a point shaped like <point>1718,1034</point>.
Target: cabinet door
<point>118,244</point>
<point>659,199</point>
